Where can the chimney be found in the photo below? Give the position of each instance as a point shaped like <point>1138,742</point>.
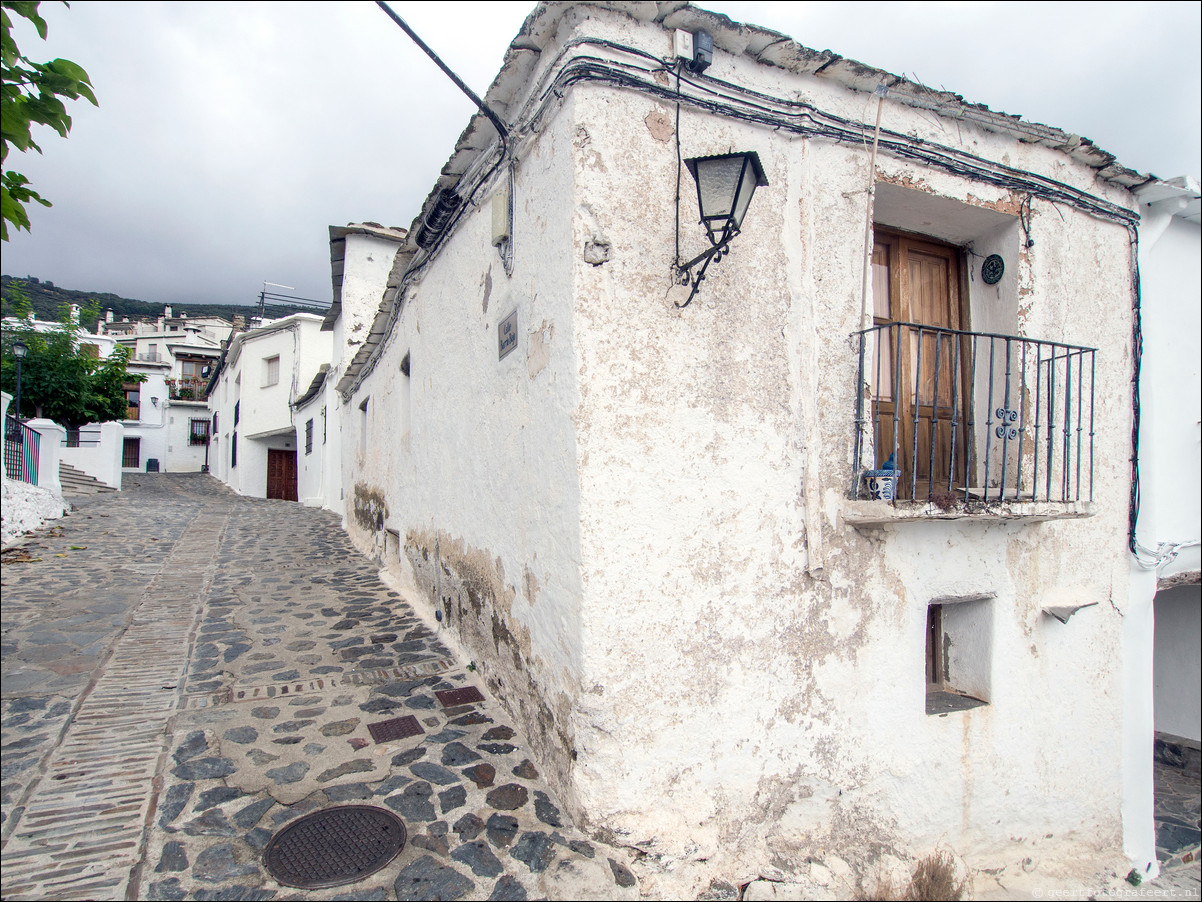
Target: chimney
<point>239,322</point>
<point>167,312</point>
<point>75,314</point>
<point>108,315</point>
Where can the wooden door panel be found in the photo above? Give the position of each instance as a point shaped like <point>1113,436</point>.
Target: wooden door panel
<point>281,475</point>
<point>917,281</point>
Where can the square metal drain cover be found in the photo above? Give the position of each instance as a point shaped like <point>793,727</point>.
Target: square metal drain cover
<point>334,846</point>
<point>397,728</point>
<point>452,697</point>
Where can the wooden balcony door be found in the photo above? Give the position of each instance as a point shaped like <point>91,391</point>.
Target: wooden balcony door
<point>918,381</point>
<point>281,474</point>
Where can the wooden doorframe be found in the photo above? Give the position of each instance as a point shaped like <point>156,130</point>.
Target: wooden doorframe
<point>285,486</point>
<point>899,244</point>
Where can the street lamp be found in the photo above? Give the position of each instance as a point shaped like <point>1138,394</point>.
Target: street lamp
<point>725,186</point>
<point>20,349</point>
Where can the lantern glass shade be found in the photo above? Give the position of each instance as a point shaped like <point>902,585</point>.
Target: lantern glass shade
<point>20,349</point>
<point>725,185</point>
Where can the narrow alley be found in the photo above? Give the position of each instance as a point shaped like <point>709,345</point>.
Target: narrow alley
<point>187,672</point>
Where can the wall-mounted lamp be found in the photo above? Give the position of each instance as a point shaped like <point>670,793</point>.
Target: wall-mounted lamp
<point>154,400</point>
<point>725,185</point>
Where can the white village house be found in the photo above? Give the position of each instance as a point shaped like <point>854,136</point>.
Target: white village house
<point>1166,594</point>
<point>167,426</point>
<point>361,258</point>
<point>658,515</point>
<point>251,393</point>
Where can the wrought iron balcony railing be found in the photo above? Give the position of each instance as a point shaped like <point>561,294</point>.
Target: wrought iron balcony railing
<point>187,389</point>
<point>974,417</point>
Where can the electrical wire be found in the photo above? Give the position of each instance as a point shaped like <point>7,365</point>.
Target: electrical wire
<point>715,96</point>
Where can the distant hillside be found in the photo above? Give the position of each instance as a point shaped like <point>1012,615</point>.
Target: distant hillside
<point>48,299</point>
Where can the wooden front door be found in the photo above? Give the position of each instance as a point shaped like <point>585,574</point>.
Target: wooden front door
<point>920,387</point>
<point>281,474</point>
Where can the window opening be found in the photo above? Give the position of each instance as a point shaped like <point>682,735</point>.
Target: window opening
<point>198,432</point>
<point>271,370</point>
<point>309,436</point>
<point>959,654</point>
<point>133,402</point>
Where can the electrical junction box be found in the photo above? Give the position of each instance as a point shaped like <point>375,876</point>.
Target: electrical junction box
<point>682,45</point>
<point>703,51</point>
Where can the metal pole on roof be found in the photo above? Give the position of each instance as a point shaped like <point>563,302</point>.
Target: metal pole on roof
<point>492,117</point>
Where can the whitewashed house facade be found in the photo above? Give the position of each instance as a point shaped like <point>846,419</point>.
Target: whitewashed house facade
<point>167,427</point>
<point>1166,595</point>
<point>361,259</point>
<point>647,517</point>
<point>251,393</point>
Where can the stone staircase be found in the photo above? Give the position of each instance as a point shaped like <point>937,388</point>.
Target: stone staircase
<point>76,482</point>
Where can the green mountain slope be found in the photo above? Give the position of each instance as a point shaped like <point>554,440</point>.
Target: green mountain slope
<point>49,299</point>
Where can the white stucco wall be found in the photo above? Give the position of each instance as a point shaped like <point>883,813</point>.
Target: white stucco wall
<point>638,521</point>
<point>318,470</point>
<point>1177,675</point>
<point>714,451</point>
<point>151,426</point>
<point>482,479</point>
<point>1171,384</point>
<point>182,455</point>
<point>266,418</point>
<point>99,454</point>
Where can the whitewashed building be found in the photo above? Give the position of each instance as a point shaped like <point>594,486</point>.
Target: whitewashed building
<point>167,428</point>
<point>658,519</point>
<point>361,261</point>
<point>1166,598</point>
<point>254,386</point>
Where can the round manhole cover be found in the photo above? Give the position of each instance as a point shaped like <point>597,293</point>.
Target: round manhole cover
<point>334,846</point>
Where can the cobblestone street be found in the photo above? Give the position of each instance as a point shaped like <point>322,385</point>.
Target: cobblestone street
<point>187,671</point>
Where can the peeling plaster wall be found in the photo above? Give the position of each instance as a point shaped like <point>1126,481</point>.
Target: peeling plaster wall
<point>466,482</point>
<point>753,673</point>
<point>636,522</point>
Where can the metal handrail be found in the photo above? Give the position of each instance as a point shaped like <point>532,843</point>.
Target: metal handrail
<point>1017,457</point>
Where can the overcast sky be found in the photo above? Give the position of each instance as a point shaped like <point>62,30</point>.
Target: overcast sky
<point>230,135</point>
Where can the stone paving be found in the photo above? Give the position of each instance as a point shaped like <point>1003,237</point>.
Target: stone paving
<point>261,710</point>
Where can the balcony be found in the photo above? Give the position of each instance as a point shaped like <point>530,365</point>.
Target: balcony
<point>187,389</point>
<point>955,424</point>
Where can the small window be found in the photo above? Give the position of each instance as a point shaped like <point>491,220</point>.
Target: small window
<point>323,425</point>
<point>198,432</point>
<point>271,370</point>
<point>309,437</point>
<point>237,411</point>
<point>133,401</point>
<point>363,426</point>
<point>959,653</point>
<point>234,450</point>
